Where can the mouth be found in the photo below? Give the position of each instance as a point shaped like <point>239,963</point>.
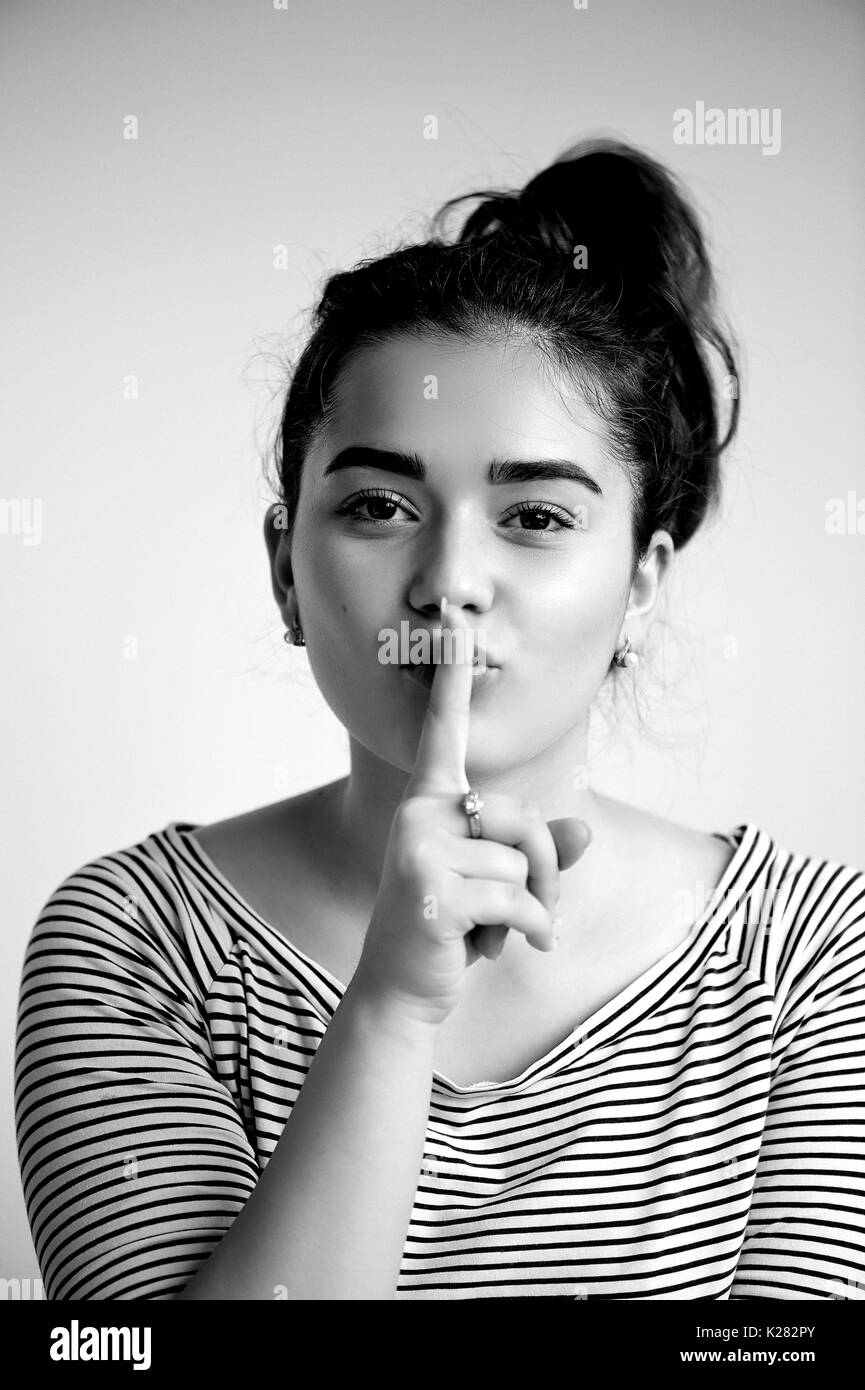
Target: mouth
<point>423,672</point>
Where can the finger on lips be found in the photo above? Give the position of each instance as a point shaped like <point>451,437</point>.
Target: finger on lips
<point>440,766</point>
<point>440,762</point>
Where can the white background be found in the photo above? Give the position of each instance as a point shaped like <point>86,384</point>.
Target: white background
<point>304,128</point>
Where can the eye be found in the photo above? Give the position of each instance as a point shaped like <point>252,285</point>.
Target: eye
<point>542,511</point>
<point>375,498</point>
<point>378,499</point>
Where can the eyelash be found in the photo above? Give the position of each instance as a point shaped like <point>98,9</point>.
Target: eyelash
<point>350,506</point>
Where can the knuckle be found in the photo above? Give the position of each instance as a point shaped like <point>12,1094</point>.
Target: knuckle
<point>499,900</point>
<point>422,857</point>
<point>530,810</point>
<point>513,867</point>
<point>514,894</point>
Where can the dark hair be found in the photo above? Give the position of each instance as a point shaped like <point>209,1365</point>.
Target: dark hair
<point>630,325</point>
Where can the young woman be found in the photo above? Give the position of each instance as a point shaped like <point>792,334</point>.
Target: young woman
<point>387,1040</point>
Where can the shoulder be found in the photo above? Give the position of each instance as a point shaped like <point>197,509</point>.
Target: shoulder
<point>820,906</point>
<point>109,887</point>
<point>277,862</point>
<point>790,912</point>
<point>132,913</point>
<point>676,853</point>
<point>799,921</point>
<point>279,821</point>
<point>795,919</point>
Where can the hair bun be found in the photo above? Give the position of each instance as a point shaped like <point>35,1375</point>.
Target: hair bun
<point>641,237</point>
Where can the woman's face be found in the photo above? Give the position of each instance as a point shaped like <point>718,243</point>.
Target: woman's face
<point>541,567</point>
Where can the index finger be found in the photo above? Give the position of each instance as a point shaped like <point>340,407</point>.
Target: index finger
<point>440,762</point>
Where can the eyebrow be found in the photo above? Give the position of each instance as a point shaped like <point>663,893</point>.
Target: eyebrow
<point>411,465</point>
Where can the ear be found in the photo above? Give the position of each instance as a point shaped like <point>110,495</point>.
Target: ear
<point>277,538</point>
<point>652,573</point>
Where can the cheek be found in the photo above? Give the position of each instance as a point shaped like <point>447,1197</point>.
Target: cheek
<point>341,624</point>
<point>578,617</point>
<point>572,634</point>
<point>329,595</point>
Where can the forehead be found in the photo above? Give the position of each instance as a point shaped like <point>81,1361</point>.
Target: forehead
<point>466,398</point>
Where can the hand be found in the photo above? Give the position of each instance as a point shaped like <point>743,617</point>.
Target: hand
<point>446,899</point>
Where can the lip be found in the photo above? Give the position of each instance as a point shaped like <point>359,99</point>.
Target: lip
<point>422,675</point>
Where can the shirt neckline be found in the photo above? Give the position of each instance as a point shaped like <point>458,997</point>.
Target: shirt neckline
<point>747,839</point>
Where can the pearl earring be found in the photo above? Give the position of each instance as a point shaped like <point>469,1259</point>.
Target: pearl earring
<point>624,656</point>
<point>294,635</point>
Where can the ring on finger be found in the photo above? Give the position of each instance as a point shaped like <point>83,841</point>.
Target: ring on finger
<point>472,805</point>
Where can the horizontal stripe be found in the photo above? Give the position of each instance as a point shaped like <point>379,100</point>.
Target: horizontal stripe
<point>700,1136</point>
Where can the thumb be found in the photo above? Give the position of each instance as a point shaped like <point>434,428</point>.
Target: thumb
<point>572,837</point>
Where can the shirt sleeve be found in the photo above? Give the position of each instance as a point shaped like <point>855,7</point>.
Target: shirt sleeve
<point>133,1154</point>
<point>805,1237</point>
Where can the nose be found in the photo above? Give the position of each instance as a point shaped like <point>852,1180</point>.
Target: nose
<point>452,561</point>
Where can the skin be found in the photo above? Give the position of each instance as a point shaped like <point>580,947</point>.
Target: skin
<point>553,605</point>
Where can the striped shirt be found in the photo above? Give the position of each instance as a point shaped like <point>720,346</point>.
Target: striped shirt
<point>700,1136</point>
